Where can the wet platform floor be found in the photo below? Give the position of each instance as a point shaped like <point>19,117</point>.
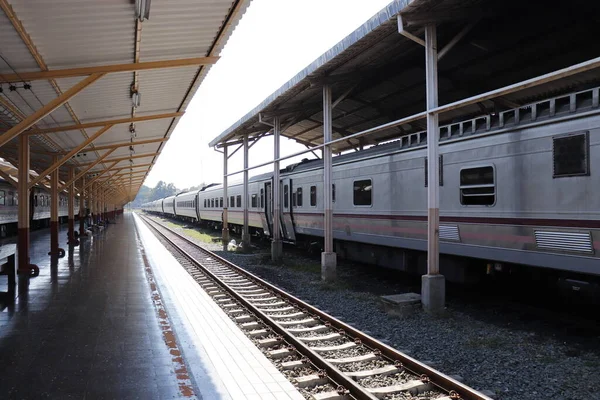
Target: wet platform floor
<point>87,328</point>
<point>119,318</point>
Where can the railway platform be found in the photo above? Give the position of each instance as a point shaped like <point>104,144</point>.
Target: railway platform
<point>119,318</point>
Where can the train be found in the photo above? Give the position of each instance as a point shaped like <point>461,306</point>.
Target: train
<point>39,208</point>
<point>518,189</point>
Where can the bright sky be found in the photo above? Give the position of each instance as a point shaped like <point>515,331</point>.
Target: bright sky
<point>274,41</point>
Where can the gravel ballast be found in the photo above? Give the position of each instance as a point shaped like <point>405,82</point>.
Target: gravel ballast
<point>513,361</point>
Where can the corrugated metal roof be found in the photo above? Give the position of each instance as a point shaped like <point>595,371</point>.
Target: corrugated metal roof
<point>383,71</point>
<point>57,34</point>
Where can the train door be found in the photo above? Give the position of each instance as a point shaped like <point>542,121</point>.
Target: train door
<point>197,206</point>
<point>269,207</point>
<point>287,219</point>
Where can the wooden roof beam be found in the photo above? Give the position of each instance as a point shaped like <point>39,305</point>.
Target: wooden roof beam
<point>106,69</point>
<point>97,124</point>
<point>90,166</point>
<point>125,144</point>
<point>68,156</point>
<point>47,109</point>
<point>126,158</point>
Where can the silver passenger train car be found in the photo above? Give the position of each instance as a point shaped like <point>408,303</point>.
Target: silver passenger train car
<point>39,207</point>
<point>516,188</point>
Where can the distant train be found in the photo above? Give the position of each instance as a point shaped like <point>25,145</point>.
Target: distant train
<point>39,208</point>
<point>517,188</point>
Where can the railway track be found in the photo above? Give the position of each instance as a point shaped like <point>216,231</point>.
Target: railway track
<point>324,357</point>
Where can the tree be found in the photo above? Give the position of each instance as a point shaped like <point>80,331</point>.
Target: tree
<point>160,191</point>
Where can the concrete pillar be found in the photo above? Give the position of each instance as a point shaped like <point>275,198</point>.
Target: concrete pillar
<point>225,232</point>
<point>245,231</point>
<point>71,241</point>
<point>433,285</point>
<point>82,209</point>
<point>328,257</point>
<point>25,269</point>
<point>54,249</point>
<point>276,244</point>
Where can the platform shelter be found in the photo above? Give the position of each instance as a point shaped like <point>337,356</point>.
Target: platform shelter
<point>90,94</point>
<point>411,67</point>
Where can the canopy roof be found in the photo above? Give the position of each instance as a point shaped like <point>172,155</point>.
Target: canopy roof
<point>377,75</point>
<point>53,47</point>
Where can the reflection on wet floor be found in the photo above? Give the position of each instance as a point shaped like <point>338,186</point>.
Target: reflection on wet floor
<point>86,326</point>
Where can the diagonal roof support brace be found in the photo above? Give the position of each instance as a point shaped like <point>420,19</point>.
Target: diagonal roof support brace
<point>94,179</point>
<point>407,34</point>
<point>68,156</point>
<point>82,173</point>
<point>47,109</point>
<point>8,178</point>
<point>454,41</point>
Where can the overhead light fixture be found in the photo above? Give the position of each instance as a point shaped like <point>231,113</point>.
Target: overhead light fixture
<point>135,98</point>
<point>142,9</point>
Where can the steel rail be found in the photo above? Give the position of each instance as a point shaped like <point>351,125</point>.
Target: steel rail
<point>442,381</point>
<point>332,373</point>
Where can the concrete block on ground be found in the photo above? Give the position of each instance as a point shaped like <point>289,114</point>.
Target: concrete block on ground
<point>433,293</point>
<point>401,304</point>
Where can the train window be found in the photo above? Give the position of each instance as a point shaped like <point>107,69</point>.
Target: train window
<point>16,200</point>
<point>238,200</point>
<point>363,192</point>
<point>11,199</point>
<point>254,200</point>
<point>441,171</point>
<point>221,202</point>
<point>333,192</point>
<point>477,186</point>
<point>294,197</point>
<point>204,203</point>
<point>212,203</point>
<point>299,197</point>
<point>35,201</point>
<point>571,155</point>
<point>286,196</point>
<point>262,198</point>
<point>2,198</point>
<point>313,196</point>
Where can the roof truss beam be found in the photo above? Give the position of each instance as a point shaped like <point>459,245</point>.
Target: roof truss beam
<point>90,166</point>
<point>97,124</point>
<point>126,158</point>
<point>68,156</point>
<point>106,69</point>
<point>47,109</point>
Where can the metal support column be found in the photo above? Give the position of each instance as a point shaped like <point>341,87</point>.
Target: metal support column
<point>55,251</point>
<point>25,269</point>
<point>328,257</point>
<point>71,241</point>
<point>276,244</point>
<point>433,284</point>
<point>225,232</point>
<point>245,232</point>
<point>82,213</point>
